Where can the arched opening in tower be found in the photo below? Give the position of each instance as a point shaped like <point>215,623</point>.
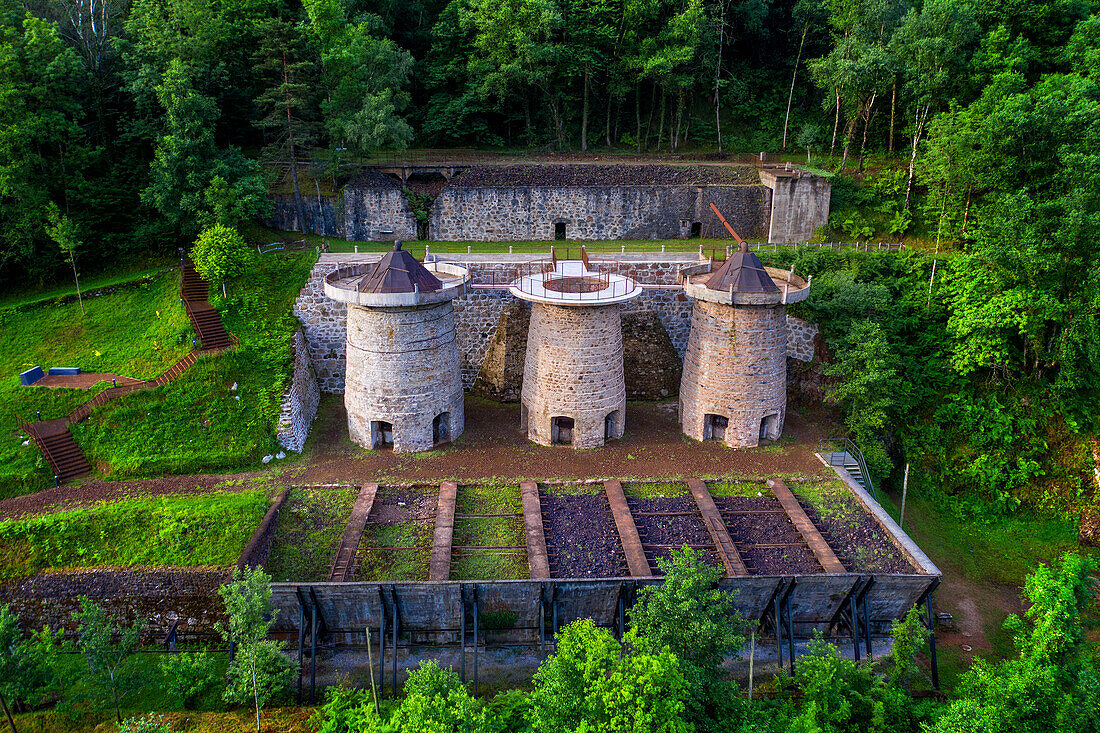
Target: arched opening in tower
<point>441,428</point>
<point>381,435</point>
<point>714,427</point>
<point>561,430</point>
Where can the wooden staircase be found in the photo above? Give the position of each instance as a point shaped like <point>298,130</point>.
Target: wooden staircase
<point>62,453</point>
<point>194,291</point>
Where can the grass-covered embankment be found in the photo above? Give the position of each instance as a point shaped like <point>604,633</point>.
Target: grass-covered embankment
<point>138,330</point>
<point>221,414</point>
<point>186,531</point>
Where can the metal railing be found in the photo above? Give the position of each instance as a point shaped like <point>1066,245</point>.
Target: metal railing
<point>847,448</point>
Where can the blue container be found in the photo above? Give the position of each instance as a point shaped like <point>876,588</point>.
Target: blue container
<point>30,376</point>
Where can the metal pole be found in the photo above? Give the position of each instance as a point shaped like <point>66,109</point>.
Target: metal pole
<point>382,645</point>
<point>462,630</point>
<point>904,492</point>
<point>790,632</point>
<point>313,656</point>
<point>475,643</point>
<point>932,645</point>
<point>853,618</point>
<point>542,629</point>
<point>867,623</point>
<point>301,646</point>
<point>393,633</point>
<point>778,631</point>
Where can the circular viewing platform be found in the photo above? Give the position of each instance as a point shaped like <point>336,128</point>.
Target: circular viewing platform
<point>572,283</point>
<point>343,285</point>
<point>790,288</point>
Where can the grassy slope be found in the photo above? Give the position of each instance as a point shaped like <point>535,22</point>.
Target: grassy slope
<point>136,331</point>
<point>211,529</point>
<point>200,422</point>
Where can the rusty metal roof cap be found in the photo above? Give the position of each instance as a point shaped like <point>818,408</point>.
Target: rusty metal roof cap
<point>398,272</point>
<point>744,272</point>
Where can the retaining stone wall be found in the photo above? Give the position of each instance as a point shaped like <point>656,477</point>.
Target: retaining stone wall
<point>375,213</point>
<point>157,597</point>
<point>800,338</point>
<point>515,213</point>
<point>476,314</point>
<point>299,405</point>
<point>319,211</point>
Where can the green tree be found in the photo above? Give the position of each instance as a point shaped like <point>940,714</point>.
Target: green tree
<point>436,701</point>
<point>220,254</point>
<point>107,670</point>
<point>28,664</point>
<point>260,670</point>
<point>1052,683</point>
<point>593,684</point>
<point>194,184</point>
<point>694,619</point>
<point>365,78</point>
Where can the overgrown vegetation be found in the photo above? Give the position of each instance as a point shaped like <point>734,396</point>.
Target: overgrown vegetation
<point>501,539</point>
<point>308,533</point>
<point>222,412</point>
<point>203,530</point>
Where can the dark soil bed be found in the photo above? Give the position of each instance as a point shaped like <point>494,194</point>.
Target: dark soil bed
<point>671,530</point>
<point>858,541</point>
<point>397,541</point>
<point>581,539</point>
<point>767,525</point>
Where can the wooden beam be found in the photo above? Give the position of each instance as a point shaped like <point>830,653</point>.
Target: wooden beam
<point>806,528</point>
<point>536,537</point>
<point>713,519</point>
<point>353,534</point>
<point>628,533</point>
<point>440,567</point>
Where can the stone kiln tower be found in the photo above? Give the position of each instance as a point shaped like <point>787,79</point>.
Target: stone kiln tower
<point>403,383</point>
<point>573,388</point>
<point>734,385</point>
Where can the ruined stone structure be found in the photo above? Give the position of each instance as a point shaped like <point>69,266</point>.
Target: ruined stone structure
<point>300,401</point>
<point>799,203</point>
<point>514,213</point>
<point>403,386</point>
<point>734,385</point>
<point>573,387</point>
<point>578,202</point>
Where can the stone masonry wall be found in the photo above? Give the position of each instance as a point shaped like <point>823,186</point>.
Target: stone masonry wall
<point>515,213</point>
<point>319,211</point>
<point>156,597</point>
<point>377,213</point>
<point>799,204</point>
<point>299,405</point>
<point>476,314</point>
<point>800,338</point>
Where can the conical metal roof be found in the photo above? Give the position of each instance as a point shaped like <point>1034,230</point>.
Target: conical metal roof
<point>744,272</point>
<point>398,272</point>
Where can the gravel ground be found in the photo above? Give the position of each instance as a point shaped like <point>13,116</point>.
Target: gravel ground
<point>856,538</point>
<point>603,175</point>
<point>581,539</point>
<point>749,530</point>
<point>683,529</point>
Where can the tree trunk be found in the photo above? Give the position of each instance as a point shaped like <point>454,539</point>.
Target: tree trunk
<point>918,128</point>
<point>836,124</point>
<point>794,75</point>
<point>866,124</point>
<point>584,113</point>
<point>293,153</point>
<point>661,124</point>
<point>638,113</point>
<point>607,124</point>
<point>848,135</point>
<point>7,713</point>
<point>718,76</point>
<point>966,213</point>
<point>114,697</point>
<point>893,108</point>
<point>649,122</point>
<point>256,695</point>
<point>679,119</point>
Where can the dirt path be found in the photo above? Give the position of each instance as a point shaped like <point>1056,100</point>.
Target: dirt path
<point>84,380</point>
<point>494,447</point>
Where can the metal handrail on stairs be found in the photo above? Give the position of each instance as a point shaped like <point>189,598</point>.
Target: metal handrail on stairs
<point>849,448</point>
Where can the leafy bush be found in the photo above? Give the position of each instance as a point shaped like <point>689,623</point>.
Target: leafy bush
<point>187,676</point>
<point>145,724</point>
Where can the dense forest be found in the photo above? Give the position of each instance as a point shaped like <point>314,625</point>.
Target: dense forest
<point>133,126</point>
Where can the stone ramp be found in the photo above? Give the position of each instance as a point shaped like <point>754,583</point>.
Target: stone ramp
<point>636,560</point>
<point>440,566</point>
<point>537,558</point>
<point>806,528</point>
<point>344,563</point>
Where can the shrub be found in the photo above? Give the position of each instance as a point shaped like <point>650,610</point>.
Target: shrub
<point>146,724</point>
<point>187,675</point>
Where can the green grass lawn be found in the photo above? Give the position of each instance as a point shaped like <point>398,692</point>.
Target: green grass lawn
<point>398,551</point>
<point>206,530</point>
<point>200,422</point>
<point>475,527</point>
<point>139,331</point>
<point>737,488</point>
<point>308,533</point>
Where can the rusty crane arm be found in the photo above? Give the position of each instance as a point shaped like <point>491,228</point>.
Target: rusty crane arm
<point>725,223</point>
